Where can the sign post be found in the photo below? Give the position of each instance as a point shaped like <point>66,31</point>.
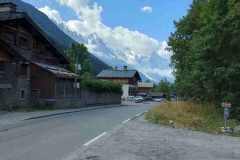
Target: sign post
<point>226,114</point>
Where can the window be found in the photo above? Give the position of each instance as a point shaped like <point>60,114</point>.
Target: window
<point>22,94</point>
<point>23,70</point>
<point>9,37</point>
<point>24,42</point>
<point>36,46</point>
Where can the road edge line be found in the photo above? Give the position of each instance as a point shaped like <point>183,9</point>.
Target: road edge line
<point>94,139</point>
<point>127,120</point>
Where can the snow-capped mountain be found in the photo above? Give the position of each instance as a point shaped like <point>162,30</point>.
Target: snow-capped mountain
<point>157,61</point>
<point>77,37</point>
<point>148,65</point>
<point>99,46</point>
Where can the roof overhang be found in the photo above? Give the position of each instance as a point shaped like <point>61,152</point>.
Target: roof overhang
<point>57,71</point>
<point>23,15</point>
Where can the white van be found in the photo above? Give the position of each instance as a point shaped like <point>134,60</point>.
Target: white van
<point>130,98</point>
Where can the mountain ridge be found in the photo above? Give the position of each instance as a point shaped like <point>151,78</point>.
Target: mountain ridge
<point>119,57</point>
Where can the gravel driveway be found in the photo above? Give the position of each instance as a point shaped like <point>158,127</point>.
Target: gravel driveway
<point>140,140</point>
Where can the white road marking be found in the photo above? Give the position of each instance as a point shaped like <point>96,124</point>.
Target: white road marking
<point>94,139</point>
<point>127,120</point>
<point>138,115</point>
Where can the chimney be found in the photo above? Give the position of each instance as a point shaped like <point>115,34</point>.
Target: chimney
<point>8,7</point>
<point>125,68</point>
<point>116,68</point>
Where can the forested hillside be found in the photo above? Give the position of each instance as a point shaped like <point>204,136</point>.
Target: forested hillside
<point>206,53</point>
<point>62,40</point>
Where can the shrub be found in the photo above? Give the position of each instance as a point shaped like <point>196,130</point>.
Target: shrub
<point>99,86</point>
<point>196,116</point>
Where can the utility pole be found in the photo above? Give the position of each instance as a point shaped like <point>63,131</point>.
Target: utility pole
<point>75,98</point>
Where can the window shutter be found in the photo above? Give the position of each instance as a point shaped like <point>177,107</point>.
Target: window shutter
<point>18,69</point>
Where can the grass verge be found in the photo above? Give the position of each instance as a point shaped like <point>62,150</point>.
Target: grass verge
<point>192,116</point>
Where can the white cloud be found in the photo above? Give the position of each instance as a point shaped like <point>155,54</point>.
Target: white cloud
<point>119,37</point>
<point>163,52</point>
<point>52,14</point>
<point>147,9</point>
<point>163,73</point>
<point>83,10</point>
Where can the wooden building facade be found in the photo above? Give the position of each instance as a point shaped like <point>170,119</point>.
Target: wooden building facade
<point>30,63</point>
<point>128,78</point>
<point>145,87</point>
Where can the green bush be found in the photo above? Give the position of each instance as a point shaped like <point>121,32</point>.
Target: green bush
<point>99,86</point>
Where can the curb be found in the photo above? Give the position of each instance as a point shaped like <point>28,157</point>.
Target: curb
<point>137,116</point>
<point>81,110</point>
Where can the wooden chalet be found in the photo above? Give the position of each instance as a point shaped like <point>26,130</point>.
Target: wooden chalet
<point>30,63</point>
<point>145,87</point>
<point>128,78</point>
<point>158,95</point>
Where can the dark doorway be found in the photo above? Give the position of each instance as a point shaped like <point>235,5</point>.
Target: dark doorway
<point>34,97</point>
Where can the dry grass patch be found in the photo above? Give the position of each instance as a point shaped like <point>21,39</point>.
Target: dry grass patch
<point>201,117</point>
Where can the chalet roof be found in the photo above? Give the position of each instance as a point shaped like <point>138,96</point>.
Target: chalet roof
<point>142,94</point>
<point>7,3</point>
<point>145,84</point>
<point>6,16</point>
<point>56,70</point>
<point>156,94</point>
<point>111,73</point>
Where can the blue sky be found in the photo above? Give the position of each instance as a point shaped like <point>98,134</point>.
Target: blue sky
<point>158,24</point>
<point>136,28</point>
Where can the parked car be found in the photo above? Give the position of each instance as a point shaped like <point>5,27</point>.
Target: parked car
<point>159,99</point>
<point>139,99</point>
<point>131,98</point>
<point>148,99</point>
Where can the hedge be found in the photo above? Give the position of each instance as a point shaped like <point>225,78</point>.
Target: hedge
<point>99,86</point>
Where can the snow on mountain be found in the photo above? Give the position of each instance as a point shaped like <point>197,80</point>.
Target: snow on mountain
<point>157,61</point>
<point>77,37</point>
<point>99,46</point>
<point>153,67</point>
<point>127,55</point>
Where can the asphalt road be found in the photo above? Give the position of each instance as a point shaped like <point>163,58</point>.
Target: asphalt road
<point>59,137</point>
<point>141,140</point>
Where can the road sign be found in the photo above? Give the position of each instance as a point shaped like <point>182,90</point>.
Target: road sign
<point>226,105</point>
<point>226,113</point>
<point>77,86</point>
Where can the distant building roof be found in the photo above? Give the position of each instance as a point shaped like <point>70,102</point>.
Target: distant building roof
<point>156,94</point>
<point>56,70</point>
<point>142,94</point>
<point>145,84</point>
<point>111,73</point>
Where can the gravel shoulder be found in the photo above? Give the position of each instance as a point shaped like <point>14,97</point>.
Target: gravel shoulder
<point>141,140</point>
